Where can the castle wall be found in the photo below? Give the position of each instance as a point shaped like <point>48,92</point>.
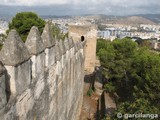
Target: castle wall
<point>45,83</point>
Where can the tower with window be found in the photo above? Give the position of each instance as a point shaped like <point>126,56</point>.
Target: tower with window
<point>86,33</point>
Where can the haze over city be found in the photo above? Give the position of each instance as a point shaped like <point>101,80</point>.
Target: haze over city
<point>78,7</point>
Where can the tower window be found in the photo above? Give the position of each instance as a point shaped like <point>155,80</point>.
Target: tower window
<point>82,38</point>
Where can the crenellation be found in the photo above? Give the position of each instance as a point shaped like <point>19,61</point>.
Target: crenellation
<point>15,58</point>
<point>36,48</point>
<point>34,42</point>
<point>47,37</point>
<point>45,79</point>
<point>49,44</point>
<point>14,51</point>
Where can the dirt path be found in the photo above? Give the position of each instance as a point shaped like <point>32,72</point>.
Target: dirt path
<point>90,105</point>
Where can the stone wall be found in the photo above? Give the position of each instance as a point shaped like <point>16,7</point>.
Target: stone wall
<point>41,79</point>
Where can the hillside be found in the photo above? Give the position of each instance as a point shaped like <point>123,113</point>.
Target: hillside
<point>133,20</point>
<point>152,17</point>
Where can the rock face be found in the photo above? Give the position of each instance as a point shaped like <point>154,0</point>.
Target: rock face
<point>45,78</point>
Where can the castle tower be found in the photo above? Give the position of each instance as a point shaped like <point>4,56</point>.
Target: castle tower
<point>86,33</point>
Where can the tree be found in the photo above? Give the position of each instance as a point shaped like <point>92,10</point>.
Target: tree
<point>138,106</point>
<point>146,74</point>
<point>116,58</point>
<point>23,22</point>
<point>133,73</point>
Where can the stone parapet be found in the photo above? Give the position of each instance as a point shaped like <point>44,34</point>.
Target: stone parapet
<point>41,79</point>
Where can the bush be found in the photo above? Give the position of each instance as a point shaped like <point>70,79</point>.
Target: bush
<point>109,87</point>
<point>90,91</point>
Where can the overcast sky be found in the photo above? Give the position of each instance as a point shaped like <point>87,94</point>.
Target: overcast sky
<point>69,7</point>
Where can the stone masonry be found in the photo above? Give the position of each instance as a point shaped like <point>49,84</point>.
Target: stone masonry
<point>41,79</point>
<point>86,33</point>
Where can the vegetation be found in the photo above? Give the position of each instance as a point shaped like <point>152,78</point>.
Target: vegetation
<point>133,72</point>
<point>143,43</point>
<point>101,27</point>
<point>2,39</point>
<point>23,22</point>
<point>1,46</point>
<point>89,92</point>
<point>57,32</point>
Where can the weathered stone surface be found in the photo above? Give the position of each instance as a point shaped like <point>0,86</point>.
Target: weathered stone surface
<point>24,103</point>
<point>34,42</point>
<point>62,47</point>
<point>50,54</point>
<point>20,77</point>
<point>52,79</point>
<point>44,91</point>
<point>80,45</point>
<point>47,37</point>
<point>3,98</point>
<point>76,47</point>
<point>58,51</point>
<point>2,69</point>
<point>66,43</point>
<point>38,63</point>
<point>14,50</point>
<point>71,43</point>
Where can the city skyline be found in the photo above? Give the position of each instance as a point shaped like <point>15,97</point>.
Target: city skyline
<point>77,7</point>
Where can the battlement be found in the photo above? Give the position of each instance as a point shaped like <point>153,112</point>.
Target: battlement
<point>41,79</point>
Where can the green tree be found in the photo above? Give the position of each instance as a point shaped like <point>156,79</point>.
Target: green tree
<point>116,58</point>
<point>145,75</point>
<point>23,22</point>
<point>133,73</point>
<point>138,106</point>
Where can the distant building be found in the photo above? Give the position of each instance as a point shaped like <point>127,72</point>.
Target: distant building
<point>104,34</point>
